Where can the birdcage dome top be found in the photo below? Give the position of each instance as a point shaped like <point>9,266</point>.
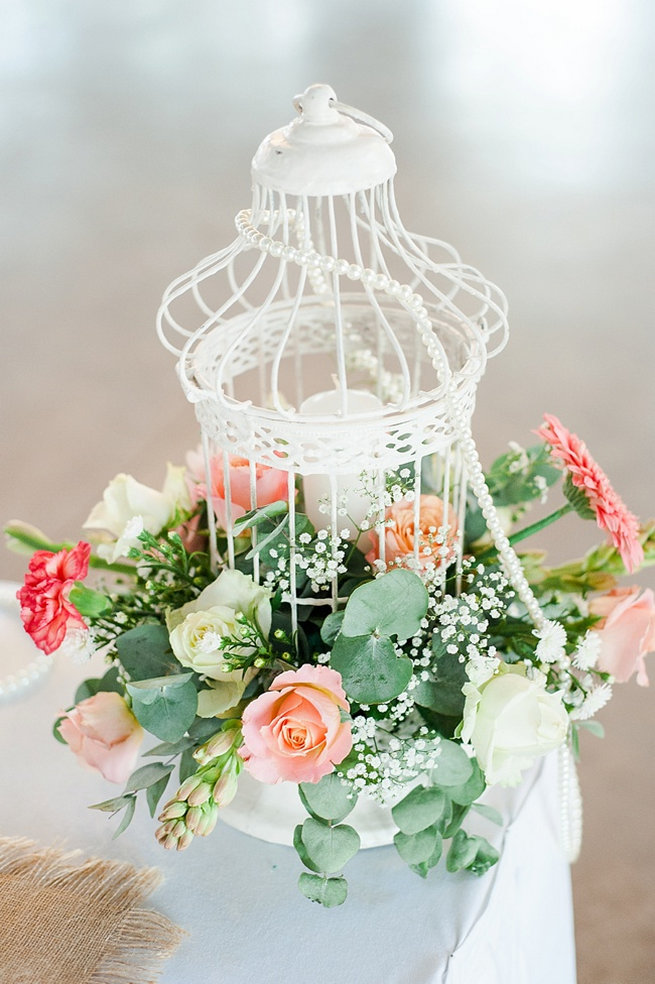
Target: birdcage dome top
<point>325,151</point>
<point>326,335</point>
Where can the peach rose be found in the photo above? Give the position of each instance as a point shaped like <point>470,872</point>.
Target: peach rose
<point>294,731</point>
<point>627,631</point>
<point>104,734</point>
<point>400,532</point>
<point>271,485</point>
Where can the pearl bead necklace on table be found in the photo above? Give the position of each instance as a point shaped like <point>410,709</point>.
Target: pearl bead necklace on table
<point>14,685</point>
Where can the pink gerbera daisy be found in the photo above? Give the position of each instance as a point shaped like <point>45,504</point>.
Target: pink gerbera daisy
<point>612,515</point>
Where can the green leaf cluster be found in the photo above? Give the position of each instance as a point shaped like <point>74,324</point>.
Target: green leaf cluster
<point>390,607</point>
<point>164,696</point>
<point>323,843</point>
<point>517,476</point>
<point>430,814</point>
<point>153,778</point>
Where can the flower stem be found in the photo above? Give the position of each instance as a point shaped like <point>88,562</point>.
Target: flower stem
<point>35,541</point>
<point>530,530</point>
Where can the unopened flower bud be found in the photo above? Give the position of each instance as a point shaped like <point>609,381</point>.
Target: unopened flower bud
<point>187,787</point>
<point>172,810</point>
<point>201,820</point>
<point>199,795</point>
<point>218,744</point>
<point>225,788</point>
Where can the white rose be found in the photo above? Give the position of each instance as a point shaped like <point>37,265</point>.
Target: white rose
<point>510,721</point>
<point>234,590</point>
<point>197,640</point>
<point>196,630</point>
<point>128,508</point>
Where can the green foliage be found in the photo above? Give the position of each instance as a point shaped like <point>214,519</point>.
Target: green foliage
<point>392,605</point>
<point>325,847</point>
<point>467,792</point>
<point>454,767</point>
<point>421,808</point>
<point>327,799</point>
<point>165,706</point>
<point>264,514</point>
<point>88,602</point>
<point>420,847</point>
<point>517,476</point>
<point>443,693</point>
<point>472,853</point>
<point>371,671</point>
<point>107,683</point>
<point>127,818</point>
<point>147,775</point>
<point>145,652</point>
<point>331,627</point>
<point>326,891</point>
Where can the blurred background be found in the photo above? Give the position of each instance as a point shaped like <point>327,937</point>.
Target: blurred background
<point>524,134</point>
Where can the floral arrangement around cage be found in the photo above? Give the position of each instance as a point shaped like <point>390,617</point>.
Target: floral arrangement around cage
<point>422,691</point>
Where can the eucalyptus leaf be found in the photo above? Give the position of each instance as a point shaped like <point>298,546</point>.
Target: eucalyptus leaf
<point>301,850</point>
<point>421,808</point>
<point>475,854</point>
<point>371,671</point>
<point>489,813</point>
<point>331,627</point>
<point>457,816</point>
<point>463,851</point>
<point>417,848</point>
<point>326,891</point>
<point>453,766</point>
<point>107,683</point>
<point>146,776</point>
<point>145,652</point>
<point>155,792</point>
<point>166,707</point>
<point>112,805</point>
<point>467,792</point>
<point>173,747</point>
<point>392,605</point>
<point>270,539</point>
<point>187,766</point>
<point>256,516</point>
<point>329,847</point>
<point>424,867</point>
<point>127,818</point>
<point>327,799</point>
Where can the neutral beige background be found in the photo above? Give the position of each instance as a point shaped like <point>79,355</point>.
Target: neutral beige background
<point>524,135</point>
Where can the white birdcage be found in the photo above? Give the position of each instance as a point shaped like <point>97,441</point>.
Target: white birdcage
<point>329,343</point>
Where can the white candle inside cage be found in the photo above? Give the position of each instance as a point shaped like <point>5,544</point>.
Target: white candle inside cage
<point>317,489</point>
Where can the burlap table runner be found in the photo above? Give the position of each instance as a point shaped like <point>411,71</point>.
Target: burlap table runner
<point>67,921</point>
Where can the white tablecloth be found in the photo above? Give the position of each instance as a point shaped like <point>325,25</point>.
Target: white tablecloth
<point>237,896</point>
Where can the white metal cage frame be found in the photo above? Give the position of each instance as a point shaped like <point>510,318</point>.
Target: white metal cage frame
<point>324,289</point>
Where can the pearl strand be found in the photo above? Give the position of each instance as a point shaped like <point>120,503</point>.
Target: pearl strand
<point>320,263</point>
<point>14,684</point>
<point>570,803</point>
<point>480,489</point>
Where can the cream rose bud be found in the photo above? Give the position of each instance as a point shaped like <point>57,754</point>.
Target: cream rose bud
<point>197,641</point>
<point>197,628</point>
<point>128,507</point>
<point>233,590</point>
<point>510,721</point>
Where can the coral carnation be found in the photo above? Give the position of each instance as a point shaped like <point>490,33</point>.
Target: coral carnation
<point>610,511</point>
<point>46,612</point>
